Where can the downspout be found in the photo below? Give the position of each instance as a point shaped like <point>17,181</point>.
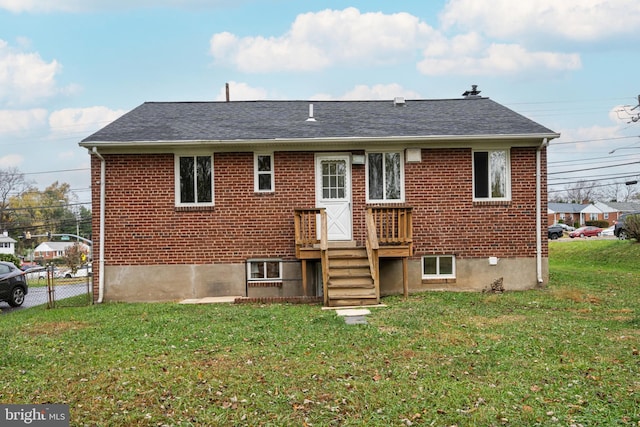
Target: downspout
<point>544,144</point>
<point>103,173</point>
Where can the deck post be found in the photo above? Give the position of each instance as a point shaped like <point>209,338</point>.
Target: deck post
<point>405,277</point>
<point>304,277</point>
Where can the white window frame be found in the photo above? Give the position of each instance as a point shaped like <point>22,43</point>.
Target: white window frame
<point>507,189</point>
<point>593,216</point>
<point>438,275</point>
<point>176,169</point>
<point>264,279</point>
<point>257,173</point>
<point>402,189</point>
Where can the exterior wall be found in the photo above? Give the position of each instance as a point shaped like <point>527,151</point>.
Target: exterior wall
<point>155,251</point>
<point>472,274</point>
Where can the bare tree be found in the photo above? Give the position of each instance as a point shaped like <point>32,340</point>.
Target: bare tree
<point>582,192</point>
<point>12,183</point>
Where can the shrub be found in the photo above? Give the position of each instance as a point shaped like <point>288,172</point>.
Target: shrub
<point>632,226</point>
<point>598,223</point>
<point>10,258</point>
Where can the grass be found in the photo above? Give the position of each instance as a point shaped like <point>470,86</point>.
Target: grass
<point>564,355</point>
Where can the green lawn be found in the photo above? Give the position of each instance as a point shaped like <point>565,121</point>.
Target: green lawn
<point>565,355</point>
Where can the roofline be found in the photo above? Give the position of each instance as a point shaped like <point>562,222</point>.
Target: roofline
<point>411,140</point>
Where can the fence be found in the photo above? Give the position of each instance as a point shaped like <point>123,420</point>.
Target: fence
<point>57,288</point>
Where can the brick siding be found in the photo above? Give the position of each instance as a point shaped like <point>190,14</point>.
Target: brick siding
<point>143,226</point>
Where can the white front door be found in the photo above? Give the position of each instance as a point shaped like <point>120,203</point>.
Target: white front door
<point>333,192</point>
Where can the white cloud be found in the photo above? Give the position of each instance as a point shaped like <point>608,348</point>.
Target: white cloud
<point>25,77</point>
<point>11,161</point>
<point>241,92</point>
<point>376,92</point>
<point>317,40</point>
<point>82,120</point>
<point>578,20</point>
<point>465,55</point>
<point>15,122</point>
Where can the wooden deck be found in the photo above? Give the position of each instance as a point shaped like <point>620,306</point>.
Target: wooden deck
<point>351,273</point>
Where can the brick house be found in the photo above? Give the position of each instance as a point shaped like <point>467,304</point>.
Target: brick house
<point>346,200</point>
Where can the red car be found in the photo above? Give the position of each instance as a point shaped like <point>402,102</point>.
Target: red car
<point>588,231</point>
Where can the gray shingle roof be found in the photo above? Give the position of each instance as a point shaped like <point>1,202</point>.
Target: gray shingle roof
<point>271,120</point>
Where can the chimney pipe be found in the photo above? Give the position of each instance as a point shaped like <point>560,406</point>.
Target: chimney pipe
<point>226,87</point>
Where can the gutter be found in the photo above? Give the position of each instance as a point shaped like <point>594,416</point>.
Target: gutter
<point>399,139</point>
<point>103,170</point>
<point>542,146</point>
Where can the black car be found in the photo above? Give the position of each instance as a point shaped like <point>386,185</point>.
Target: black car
<point>13,285</point>
<point>619,227</point>
<point>555,231</point>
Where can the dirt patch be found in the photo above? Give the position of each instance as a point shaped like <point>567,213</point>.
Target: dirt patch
<point>53,328</point>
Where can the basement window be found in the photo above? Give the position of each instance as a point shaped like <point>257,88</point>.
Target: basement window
<point>439,267</point>
<point>264,270</point>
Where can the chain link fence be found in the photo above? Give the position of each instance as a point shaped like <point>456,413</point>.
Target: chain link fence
<point>60,288</point>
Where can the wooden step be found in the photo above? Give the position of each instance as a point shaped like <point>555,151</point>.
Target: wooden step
<point>350,282</point>
<point>350,302</point>
<point>336,253</point>
<point>348,262</point>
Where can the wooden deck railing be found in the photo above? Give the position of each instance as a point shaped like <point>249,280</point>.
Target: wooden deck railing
<point>394,225</point>
<point>306,227</point>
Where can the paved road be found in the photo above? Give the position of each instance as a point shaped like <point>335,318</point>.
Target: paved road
<point>38,296</point>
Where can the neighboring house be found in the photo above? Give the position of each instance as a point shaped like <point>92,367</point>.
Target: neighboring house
<point>348,200</point>
<point>51,250</point>
<point>7,244</point>
<point>623,207</point>
<point>568,213</point>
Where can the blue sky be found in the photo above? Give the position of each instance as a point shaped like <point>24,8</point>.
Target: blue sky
<point>69,67</point>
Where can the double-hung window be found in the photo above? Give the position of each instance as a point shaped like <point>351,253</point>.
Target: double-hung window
<point>491,175</point>
<point>385,177</point>
<point>263,172</point>
<point>194,180</point>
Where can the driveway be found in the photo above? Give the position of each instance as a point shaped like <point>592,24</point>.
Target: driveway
<point>38,296</point>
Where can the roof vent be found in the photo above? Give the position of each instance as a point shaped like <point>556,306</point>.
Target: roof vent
<point>311,118</point>
<point>473,93</point>
<point>399,101</point>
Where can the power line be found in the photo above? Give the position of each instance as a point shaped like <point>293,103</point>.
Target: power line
<point>594,168</point>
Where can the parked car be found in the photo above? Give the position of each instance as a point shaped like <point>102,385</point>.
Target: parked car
<point>39,274</point>
<point>555,231</point>
<point>587,231</point>
<point>83,271</point>
<point>565,227</point>
<point>607,231</point>
<point>619,228</point>
<point>13,284</point>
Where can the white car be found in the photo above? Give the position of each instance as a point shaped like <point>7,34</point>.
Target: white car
<point>607,231</point>
<point>83,271</point>
<point>39,274</point>
<point>565,227</point>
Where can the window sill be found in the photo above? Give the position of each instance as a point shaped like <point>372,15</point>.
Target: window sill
<point>264,284</point>
<point>492,203</point>
<point>194,208</point>
<point>438,281</point>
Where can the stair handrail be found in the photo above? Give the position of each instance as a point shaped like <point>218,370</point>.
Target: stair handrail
<point>373,246</point>
<point>324,254</point>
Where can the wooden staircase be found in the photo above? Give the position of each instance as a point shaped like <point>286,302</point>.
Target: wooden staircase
<point>351,274</point>
<point>350,280</point>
